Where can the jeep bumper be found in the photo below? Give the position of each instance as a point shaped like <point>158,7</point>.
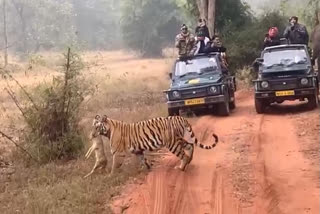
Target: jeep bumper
<point>286,95</point>
<point>206,101</point>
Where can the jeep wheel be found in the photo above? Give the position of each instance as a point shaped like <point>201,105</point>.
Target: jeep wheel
<point>260,105</point>
<point>173,111</point>
<point>232,104</point>
<point>313,101</point>
<point>224,108</point>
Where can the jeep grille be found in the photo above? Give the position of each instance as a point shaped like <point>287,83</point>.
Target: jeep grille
<point>192,93</point>
<point>284,84</point>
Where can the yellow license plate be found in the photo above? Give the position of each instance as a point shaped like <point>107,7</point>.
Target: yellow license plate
<point>194,101</point>
<point>284,93</point>
<point>194,81</point>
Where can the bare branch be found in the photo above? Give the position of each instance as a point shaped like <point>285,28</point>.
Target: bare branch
<point>18,146</point>
<point>4,11</point>
<point>25,92</point>
<point>65,88</point>
<point>13,97</point>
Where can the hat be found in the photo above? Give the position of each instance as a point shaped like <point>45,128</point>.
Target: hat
<point>200,33</point>
<point>273,31</point>
<point>184,27</point>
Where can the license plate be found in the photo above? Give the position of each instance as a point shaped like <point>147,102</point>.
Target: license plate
<point>194,101</point>
<point>284,93</point>
<point>194,81</point>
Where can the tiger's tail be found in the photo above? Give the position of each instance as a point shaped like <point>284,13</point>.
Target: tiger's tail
<point>195,140</point>
<point>207,147</point>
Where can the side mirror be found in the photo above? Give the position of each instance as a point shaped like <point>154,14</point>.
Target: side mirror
<point>313,62</point>
<point>170,75</point>
<point>257,62</point>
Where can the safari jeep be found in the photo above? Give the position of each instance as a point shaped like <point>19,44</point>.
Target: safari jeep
<point>201,82</point>
<point>285,72</point>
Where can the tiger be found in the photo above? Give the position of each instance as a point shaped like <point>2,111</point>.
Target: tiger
<point>172,132</point>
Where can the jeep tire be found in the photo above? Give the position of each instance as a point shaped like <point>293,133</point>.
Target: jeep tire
<point>313,101</point>
<point>173,111</point>
<point>260,105</point>
<point>232,104</point>
<point>224,108</point>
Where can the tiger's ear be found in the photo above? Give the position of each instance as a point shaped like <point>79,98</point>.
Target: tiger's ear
<point>104,118</point>
<point>97,117</point>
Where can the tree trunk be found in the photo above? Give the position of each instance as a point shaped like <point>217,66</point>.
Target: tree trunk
<point>207,10</point>
<point>5,33</point>
<point>211,16</point>
<point>20,11</point>
<point>204,5</point>
<point>203,8</point>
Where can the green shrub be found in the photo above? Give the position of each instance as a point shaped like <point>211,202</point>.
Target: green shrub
<point>52,114</point>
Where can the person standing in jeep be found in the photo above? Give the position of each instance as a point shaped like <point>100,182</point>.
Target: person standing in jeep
<point>271,38</point>
<point>296,33</point>
<point>202,26</point>
<point>185,42</point>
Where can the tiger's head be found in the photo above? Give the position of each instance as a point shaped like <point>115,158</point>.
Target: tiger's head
<point>100,126</point>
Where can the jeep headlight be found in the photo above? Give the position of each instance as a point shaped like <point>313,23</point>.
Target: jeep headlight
<point>213,89</point>
<point>304,81</point>
<point>264,84</point>
<point>176,94</point>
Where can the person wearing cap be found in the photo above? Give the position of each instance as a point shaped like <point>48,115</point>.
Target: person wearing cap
<point>296,33</point>
<point>271,38</point>
<point>185,42</point>
<point>215,45</point>
<point>201,42</point>
<point>202,26</point>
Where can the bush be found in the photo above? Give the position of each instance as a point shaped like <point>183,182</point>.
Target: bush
<point>246,75</point>
<point>52,116</point>
<point>36,59</point>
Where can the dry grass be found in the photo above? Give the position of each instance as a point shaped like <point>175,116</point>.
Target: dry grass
<point>127,88</point>
<point>245,76</point>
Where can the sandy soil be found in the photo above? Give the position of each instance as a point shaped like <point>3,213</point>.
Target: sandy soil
<point>263,164</point>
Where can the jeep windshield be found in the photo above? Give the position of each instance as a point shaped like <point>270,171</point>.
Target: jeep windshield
<point>197,66</point>
<point>282,59</point>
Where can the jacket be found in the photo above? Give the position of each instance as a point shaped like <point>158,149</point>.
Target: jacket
<point>296,34</point>
<point>185,44</point>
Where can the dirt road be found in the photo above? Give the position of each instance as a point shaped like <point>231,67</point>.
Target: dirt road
<point>263,164</point>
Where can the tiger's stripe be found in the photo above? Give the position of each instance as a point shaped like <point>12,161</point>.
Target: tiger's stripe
<point>173,132</point>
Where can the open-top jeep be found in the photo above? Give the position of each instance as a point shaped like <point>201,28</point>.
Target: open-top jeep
<point>285,72</point>
<point>201,82</point>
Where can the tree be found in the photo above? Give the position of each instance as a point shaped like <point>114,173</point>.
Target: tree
<point>207,10</point>
<point>97,24</point>
<point>5,33</point>
<point>147,26</point>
